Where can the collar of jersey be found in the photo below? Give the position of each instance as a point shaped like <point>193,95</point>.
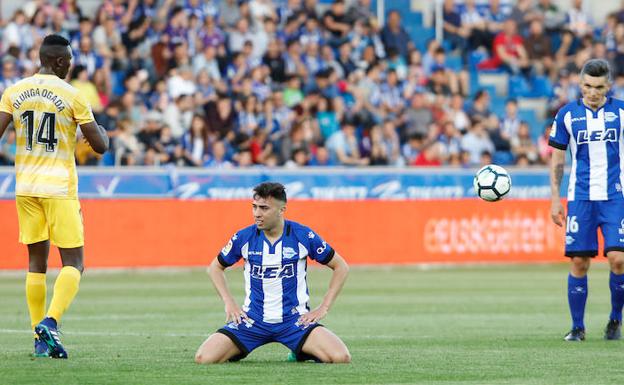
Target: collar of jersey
<point>595,113</point>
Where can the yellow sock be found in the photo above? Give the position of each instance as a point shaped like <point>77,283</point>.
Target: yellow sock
<point>36,297</point>
<point>65,289</point>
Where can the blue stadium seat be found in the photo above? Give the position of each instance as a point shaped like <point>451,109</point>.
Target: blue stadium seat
<point>536,125</point>
<point>518,87</point>
<point>498,106</point>
<point>454,63</point>
<point>541,86</point>
<point>108,159</point>
<point>504,158</point>
<point>420,36</point>
<point>412,18</point>
<point>475,58</point>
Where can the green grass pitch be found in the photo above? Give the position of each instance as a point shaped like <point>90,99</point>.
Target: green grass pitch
<point>403,325</point>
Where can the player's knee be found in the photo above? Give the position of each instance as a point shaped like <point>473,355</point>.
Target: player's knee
<point>36,266</point>
<point>617,264</point>
<point>343,357</point>
<point>580,266</point>
<point>202,358</point>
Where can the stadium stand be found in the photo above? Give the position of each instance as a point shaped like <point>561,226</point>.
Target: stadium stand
<point>295,83</point>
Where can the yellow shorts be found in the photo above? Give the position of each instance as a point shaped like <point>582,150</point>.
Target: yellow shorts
<point>59,220</point>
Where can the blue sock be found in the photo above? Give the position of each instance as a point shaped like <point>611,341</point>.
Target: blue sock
<point>577,296</point>
<point>616,283</point>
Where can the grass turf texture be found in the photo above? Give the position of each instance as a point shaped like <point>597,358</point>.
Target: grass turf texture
<point>403,325</point>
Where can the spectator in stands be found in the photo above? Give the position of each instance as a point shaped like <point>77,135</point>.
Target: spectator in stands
<point>510,121</point>
<point>178,115</point>
<point>393,35</point>
<point>564,91</point>
<point>418,117</point>
<point>218,156</point>
<point>578,20</point>
<point>450,140</point>
<point>457,115</point>
<point>454,33</point>
<point>128,150</point>
<point>431,155</point>
<point>195,142</point>
<point>480,108</point>
<point>495,17</point>
<point>376,152</point>
<point>360,10</point>
<point>10,75</point>
<point>344,147</point>
<point>476,141</point>
<point>336,22</point>
<point>549,13</point>
<point>17,33</point>
<point>538,47</point>
<point>391,96</point>
<point>275,62</point>
<point>106,37</point>
<point>476,26</point>
<point>80,80</point>
<point>522,144</point>
<point>509,52</point>
<point>391,143</point>
<point>8,148</point>
<point>523,14</point>
<point>299,158</point>
<point>321,158</point>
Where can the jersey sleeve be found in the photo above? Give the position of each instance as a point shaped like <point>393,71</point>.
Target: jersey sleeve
<point>5,103</point>
<point>231,252</point>
<point>82,110</point>
<point>318,249</point>
<point>559,136</point>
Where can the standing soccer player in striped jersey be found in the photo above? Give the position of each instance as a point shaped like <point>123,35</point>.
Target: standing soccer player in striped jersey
<point>592,128</point>
<point>45,111</point>
<point>276,307</point>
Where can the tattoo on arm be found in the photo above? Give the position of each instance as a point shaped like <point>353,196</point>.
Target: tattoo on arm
<point>558,174</point>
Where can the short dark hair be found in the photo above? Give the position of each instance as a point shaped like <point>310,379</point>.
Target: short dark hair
<point>597,68</point>
<point>52,40</point>
<point>270,189</point>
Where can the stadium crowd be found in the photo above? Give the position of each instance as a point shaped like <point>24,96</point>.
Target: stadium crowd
<point>230,83</point>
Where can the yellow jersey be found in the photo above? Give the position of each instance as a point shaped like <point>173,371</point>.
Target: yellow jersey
<point>46,111</point>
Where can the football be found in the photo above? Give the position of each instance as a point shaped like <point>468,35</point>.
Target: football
<point>492,183</point>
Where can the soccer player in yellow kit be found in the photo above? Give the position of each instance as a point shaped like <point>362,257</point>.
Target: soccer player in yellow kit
<point>45,111</point>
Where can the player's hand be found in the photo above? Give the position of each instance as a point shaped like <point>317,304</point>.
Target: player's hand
<point>556,212</point>
<point>314,316</point>
<point>233,313</point>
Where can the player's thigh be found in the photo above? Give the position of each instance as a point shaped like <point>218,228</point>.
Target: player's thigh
<point>31,216</point>
<point>581,229</point>
<point>326,346</point>
<point>216,349</point>
<point>612,227</point>
<point>65,220</point>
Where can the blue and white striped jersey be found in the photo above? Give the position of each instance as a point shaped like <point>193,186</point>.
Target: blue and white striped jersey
<point>596,146</point>
<point>275,274</point>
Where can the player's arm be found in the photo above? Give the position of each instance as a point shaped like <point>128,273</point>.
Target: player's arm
<point>233,312</point>
<point>339,276</point>
<point>96,136</point>
<point>557,163</point>
<point>5,119</point>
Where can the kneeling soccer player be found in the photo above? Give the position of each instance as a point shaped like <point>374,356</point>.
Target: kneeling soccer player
<point>276,304</point>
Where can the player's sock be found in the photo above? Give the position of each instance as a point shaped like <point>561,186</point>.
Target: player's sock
<point>36,296</point>
<point>616,283</point>
<point>577,297</point>
<point>65,290</point>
